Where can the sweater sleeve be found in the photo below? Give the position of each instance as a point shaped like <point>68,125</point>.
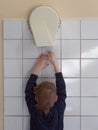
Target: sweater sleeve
<point>29,92</point>
<point>61,92</point>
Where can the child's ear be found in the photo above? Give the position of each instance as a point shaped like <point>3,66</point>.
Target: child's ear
<point>56,98</point>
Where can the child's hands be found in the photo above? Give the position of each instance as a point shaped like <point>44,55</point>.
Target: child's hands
<point>52,58</point>
<point>41,64</point>
<point>43,61</point>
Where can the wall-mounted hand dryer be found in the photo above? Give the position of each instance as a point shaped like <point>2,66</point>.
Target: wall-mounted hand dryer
<point>44,22</point>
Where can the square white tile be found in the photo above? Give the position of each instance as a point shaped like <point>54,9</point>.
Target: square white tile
<point>71,29</point>
<point>11,123</point>
<point>13,68</point>
<point>89,49</point>
<point>89,123</point>
<point>26,123</point>
<point>89,106</point>
<point>71,68</point>
<point>13,87</point>
<point>30,50</point>
<point>13,106</point>
<point>27,34</point>
<point>28,67</point>
<point>12,29</point>
<point>89,87</point>
<point>72,106</point>
<point>89,29</point>
<point>71,123</point>
<point>89,68</point>
<point>12,48</point>
<point>55,49</point>
<point>73,87</point>
<point>70,48</point>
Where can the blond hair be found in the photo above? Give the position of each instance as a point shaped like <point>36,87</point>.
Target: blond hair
<point>45,94</point>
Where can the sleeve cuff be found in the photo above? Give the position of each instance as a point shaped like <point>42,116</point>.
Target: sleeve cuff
<point>33,77</point>
<point>58,74</point>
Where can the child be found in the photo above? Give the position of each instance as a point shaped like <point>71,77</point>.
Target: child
<point>46,102</point>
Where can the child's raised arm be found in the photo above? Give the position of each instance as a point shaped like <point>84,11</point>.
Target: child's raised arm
<point>29,90</point>
<point>60,84</point>
<point>41,64</point>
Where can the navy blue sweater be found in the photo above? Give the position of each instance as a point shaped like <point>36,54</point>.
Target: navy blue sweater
<point>54,119</point>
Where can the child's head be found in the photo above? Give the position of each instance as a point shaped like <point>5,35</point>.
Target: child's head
<point>45,96</point>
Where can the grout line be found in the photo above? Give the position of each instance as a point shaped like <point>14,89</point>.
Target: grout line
<point>80,74</point>
<point>57,58</point>
<point>28,39</point>
<point>61,47</point>
<point>22,74</point>
<point>54,77</point>
<point>3,71</point>
<point>16,116</point>
<point>56,39</point>
<point>64,116</point>
<point>67,96</point>
<point>81,116</point>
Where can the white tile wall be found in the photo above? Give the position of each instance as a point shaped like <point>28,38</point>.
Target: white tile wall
<point>73,87</point>
<point>26,31</point>
<point>89,29</point>
<point>30,50</point>
<point>13,106</point>
<point>13,68</point>
<point>13,87</point>
<point>11,123</point>
<point>77,51</point>
<point>71,123</point>
<point>71,68</point>
<point>49,79</point>
<point>73,106</point>
<point>89,87</point>
<point>28,66</point>
<point>11,47</point>
<point>12,26</point>
<point>89,106</point>
<point>26,123</point>
<point>70,48</point>
<point>89,68</point>
<point>89,48</point>
<point>71,30</point>
<point>89,123</point>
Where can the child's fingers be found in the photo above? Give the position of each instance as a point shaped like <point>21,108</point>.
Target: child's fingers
<point>42,56</point>
<point>49,55</point>
<point>49,52</point>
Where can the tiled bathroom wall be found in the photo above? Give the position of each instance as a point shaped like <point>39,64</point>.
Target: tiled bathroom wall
<point>77,52</point>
